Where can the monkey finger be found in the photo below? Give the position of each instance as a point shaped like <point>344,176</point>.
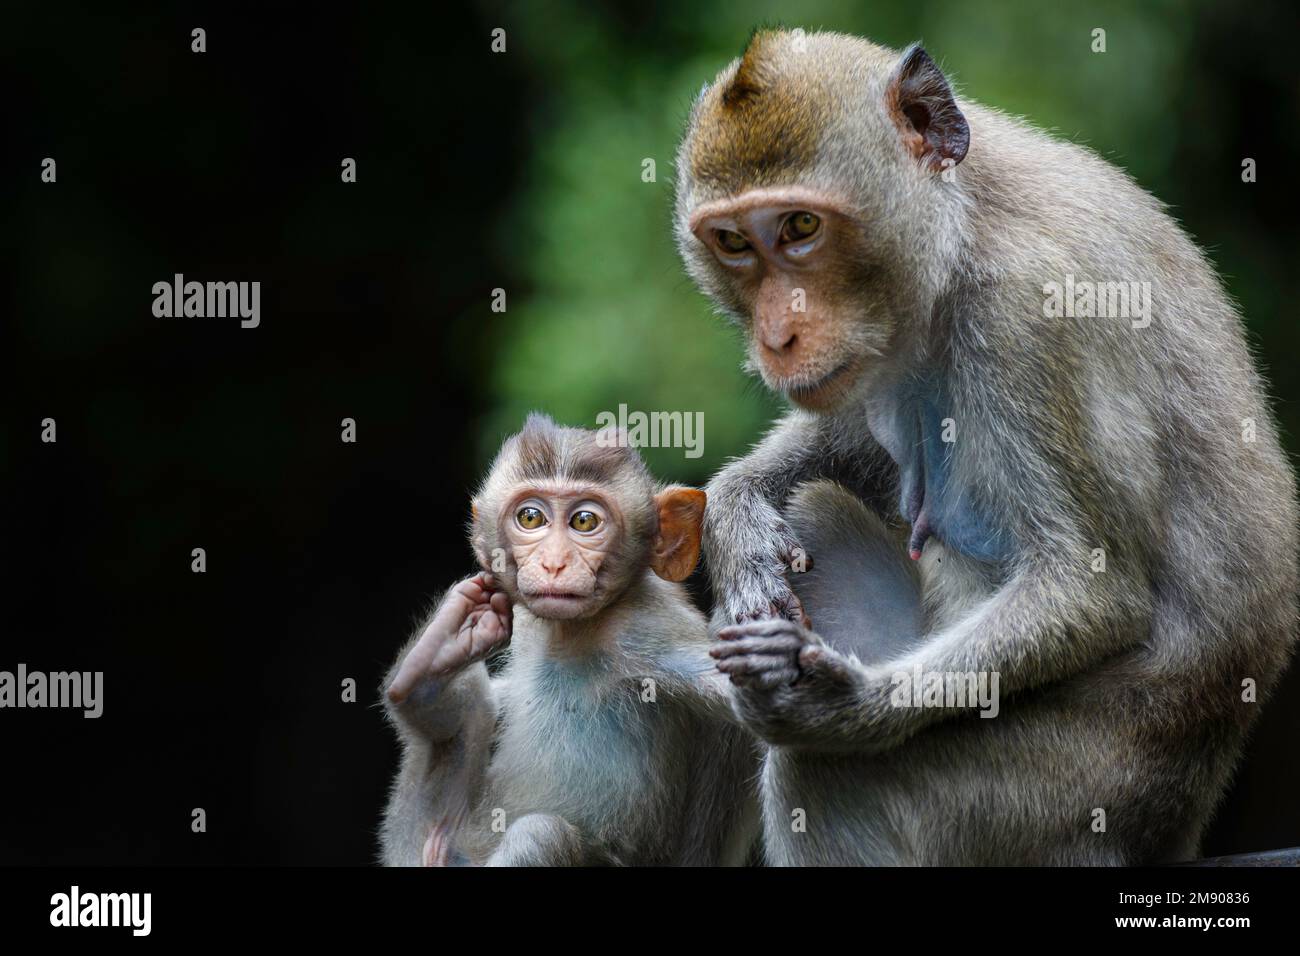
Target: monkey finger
<point>437,849</point>
<point>500,603</point>
<point>473,589</point>
<point>769,627</point>
<point>431,854</point>
<point>460,601</point>
<point>784,643</point>
<point>751,629</point>
<point>757,664</point>
<point>818,658</point>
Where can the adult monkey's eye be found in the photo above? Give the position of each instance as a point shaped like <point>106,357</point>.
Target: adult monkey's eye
<point>584,521</point>
<point>530,518</point>
<point>800,226</point>
<point>732,242</point>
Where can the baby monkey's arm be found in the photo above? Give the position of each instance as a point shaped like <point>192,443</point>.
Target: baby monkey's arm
<point>441,700</point>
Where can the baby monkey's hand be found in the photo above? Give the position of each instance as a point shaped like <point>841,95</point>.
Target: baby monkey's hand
<point>474,619</point>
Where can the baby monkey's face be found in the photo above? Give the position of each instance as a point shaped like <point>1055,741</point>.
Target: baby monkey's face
<point>560,539</point>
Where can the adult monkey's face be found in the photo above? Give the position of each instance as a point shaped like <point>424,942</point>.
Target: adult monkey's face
<point>811,208</point>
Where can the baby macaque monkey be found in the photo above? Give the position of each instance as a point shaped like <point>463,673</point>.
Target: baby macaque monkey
<point>607,736</point>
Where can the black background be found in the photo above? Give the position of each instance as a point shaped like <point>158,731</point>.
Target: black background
<point>222,690</point>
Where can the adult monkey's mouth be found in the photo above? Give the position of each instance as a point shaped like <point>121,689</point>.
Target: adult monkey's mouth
<point>825,390</point>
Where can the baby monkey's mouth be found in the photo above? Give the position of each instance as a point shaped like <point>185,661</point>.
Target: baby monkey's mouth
<point>556,605</point>
<point>555,598</point>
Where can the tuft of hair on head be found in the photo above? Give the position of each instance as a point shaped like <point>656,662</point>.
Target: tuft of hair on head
<point>749,79</point>
<point>762,121</point>
<point>546,450</point>
<point>534,451</point>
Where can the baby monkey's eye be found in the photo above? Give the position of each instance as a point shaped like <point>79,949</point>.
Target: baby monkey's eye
<point>800,226</point>
<point>732,242</point>
<point>530,518</point>
<point>584,521</point>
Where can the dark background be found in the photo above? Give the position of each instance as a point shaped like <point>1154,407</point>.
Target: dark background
<point>475,171</point>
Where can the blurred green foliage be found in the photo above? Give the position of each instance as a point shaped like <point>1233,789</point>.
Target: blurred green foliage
<point>607,315</point>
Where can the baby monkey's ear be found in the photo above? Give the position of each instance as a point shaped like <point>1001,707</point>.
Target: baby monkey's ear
<point>676,547</point>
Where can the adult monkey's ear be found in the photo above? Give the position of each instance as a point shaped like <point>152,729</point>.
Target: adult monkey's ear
<point>921,103</point>
<point>676,548</point>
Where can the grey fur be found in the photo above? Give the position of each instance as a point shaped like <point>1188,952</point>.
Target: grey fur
<point>1122,689</point>
<point>602,739</point>
<point>585,771</point>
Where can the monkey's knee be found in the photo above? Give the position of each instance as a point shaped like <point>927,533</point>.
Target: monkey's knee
<point>540,839</point>
<point>862,592</point>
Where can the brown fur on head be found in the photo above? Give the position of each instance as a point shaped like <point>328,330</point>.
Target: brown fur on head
<point>763,124</point>
<point>856,135</point>
<point>549,483</point>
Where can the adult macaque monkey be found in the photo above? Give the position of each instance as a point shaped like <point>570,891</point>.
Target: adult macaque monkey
<point>1099,507</point>
<point>607,737</point>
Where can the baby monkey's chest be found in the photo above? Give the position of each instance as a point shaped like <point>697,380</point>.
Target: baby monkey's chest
<point>568,750</point>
